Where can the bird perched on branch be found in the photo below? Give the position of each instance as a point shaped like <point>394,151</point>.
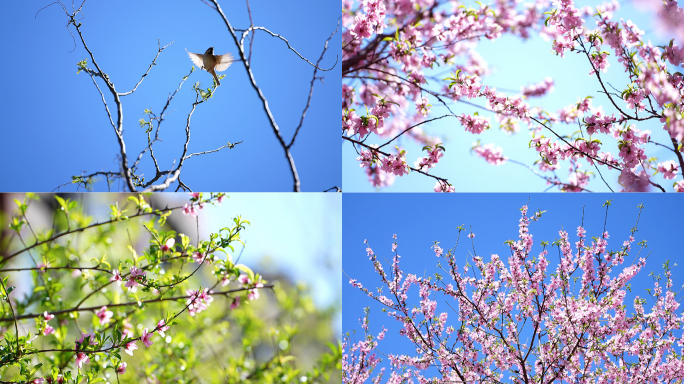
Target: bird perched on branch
<point>211,63</point>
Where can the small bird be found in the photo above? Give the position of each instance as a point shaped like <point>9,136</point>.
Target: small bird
<point>211,63</point>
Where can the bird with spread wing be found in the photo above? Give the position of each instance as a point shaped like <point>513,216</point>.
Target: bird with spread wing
<point>211,63</point>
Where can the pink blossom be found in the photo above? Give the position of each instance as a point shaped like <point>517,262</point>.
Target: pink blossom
<point>161,328</point>
<point>438,250</point>
<point>235,303</point>
<point>474,123</point>
<point>168,246</point>
<point>48,330</point>
<point>491,154</point>
<point>538,90</point>
<point>198,301</point>
<point>147,337</point>
<point>679,186</point>
<point>130,347</point>
<point>221,198</point>
<point>253,294</point>
<point>423,106</point>
<point>116,277</point>
<point>48,316</point>
<point>121,369</point>
<point>199,256</point>
<point>132,282</point>
<point>442,186</point>
<point>669,169</point>
<point>82,358</point>
<point>104,315</point>
<point>189,209</point>
<point>83,337</point>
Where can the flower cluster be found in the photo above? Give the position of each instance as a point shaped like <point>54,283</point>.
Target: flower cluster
<point>198,301</point>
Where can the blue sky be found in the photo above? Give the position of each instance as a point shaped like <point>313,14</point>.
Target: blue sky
<point>420,219</point>
<point>516,64</point>
<point>55,125</point>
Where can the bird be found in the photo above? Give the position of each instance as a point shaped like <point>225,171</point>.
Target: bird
<point>211,63</point>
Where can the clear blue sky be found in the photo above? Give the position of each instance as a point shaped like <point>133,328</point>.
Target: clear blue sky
<point>516,64</point>
<point>55,125</point>
<point>420,219</point>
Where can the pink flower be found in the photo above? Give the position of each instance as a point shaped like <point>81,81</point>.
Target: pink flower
<point>491,154</point>
<point>198,256</point>
<point>168,246</point>
<point>132,282</point>
<point>104,315</point>
<point>221,198</point>
<point>679,186</point>
<point>39,380</point>
<point>423,106</point>
<point>253,294</point>
<point>194,195</point>
<point>130,347</point>
<point>471,235</point>
<point>442,186</point>
<point>235,303</point>
<point>117,277</point>
<point>147,338</point>
<point>198,301</point>
<point>48,330</point>
<point>438,250</point>
<point>121,369</point>
<point>189,210</point>
<point>82,358</point>
<point>48,316</point>
<point>162,327</point>
<point>84,336</point>
<point>669,169</point>
<point>474,123</point>
<point>243,279</point>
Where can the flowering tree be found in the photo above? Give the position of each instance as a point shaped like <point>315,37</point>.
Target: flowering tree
<point>123,300</point>
<point>522,321</point>
<point>392,49</point>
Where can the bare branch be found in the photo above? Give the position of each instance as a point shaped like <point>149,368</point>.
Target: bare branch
<point>253,28</point>
<point>148,69</point>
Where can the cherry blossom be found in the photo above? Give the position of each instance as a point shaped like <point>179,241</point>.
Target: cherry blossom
<point>82,358</point>
<point>116,277</point>
<point>130,347</point>
<point>104,315</point>
<point>132,281</point>
<point>168,246</point>
<point>146,337</point>
<point>121,368</point>
<point>162,327</point>
<point>524,319</point>
<point>235,303</point>
<point>391,94</point>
